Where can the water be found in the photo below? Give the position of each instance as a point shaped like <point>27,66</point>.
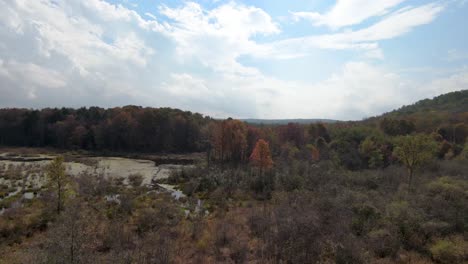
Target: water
<point>177,194</point>
<point>28,195</point>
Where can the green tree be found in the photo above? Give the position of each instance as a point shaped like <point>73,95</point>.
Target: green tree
<point>371,153</point>
<point>395,127</point>
<point>58,181</point>
<point>413,151</point>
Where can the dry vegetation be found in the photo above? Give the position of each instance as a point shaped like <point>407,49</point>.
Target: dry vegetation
<point>321,215</point>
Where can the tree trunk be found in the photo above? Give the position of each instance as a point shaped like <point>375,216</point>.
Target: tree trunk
<point>59,197</point>
<point>410,178</point>
<point>72,244</point>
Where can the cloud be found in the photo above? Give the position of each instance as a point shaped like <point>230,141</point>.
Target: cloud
<point>394,25</point>
<point>110,12</point>
<point>348,12</point>
<point>58,28</point>
<point>454,82</point>
<point>22,80</point>
<point>151,15</point>
<point>219,36</point>
<point>456,55</point>
<point>356,90</point>
<point>187,85</point>
<point>359,89</point>
<point>94,50</point>
<point>31,74</point>
<point>206,96</point>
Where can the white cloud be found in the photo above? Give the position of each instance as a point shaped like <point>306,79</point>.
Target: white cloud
<point>32,74</point>
<point>348,12</point>
<point>23,80</point>
<point>454,82</point>
<point>218,37</point>
<point>82,42</point>
<point>456,55</point>
<point>151,16</point>
<point>396,24</point>
<point>109,12</point>
<point>391,26</point>
<point>187,85</point>
<point>359,89</point>
<point>58,27</point>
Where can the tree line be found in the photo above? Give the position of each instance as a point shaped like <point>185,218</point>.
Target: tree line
<point>352,145</point>
<point>129,128</point>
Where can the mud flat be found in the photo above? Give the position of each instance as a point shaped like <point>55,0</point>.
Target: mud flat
<point>26,173</point>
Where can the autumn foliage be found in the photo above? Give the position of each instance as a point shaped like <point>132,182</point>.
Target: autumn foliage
<point>315,154</point>
<point>120,129</point>
<point>261,156</point>
<point>229,140</point>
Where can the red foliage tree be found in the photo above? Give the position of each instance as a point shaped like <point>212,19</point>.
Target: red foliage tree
<point>261,156</point>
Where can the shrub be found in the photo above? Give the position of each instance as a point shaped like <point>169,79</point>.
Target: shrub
<point>207,184</point>
<point>190,187</point>
<point>384,243</point>
<point>408,220</point>
<point>365,217</point>
<point>447,201</point>
<point>291,182</point>
<point>446,251</point>
<point>135,180</point>
<point>262,185</point>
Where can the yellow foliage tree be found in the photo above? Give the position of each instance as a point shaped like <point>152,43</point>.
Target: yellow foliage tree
<point>58,181</point>
<point>413,151</point>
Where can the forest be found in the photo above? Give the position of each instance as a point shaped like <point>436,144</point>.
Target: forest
<point>130,128</point>
<point>387,189</point>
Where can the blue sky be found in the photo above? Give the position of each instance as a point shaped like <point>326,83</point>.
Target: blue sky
<point>345,59</point>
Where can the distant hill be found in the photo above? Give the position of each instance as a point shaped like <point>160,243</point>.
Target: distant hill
<point>286,121</point>
<point>430,114</point>
<point>442,106</point>
<point>454,102</point>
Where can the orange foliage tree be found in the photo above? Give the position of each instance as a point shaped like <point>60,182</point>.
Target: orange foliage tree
<point>229,140</point>
<point>315,154</point>
<point>261,156</point>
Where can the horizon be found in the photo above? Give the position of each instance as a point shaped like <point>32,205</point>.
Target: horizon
<point>245,119</point>
<point>341,60</point>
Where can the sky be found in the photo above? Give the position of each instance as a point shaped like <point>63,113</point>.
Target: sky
<point>343,59</point>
